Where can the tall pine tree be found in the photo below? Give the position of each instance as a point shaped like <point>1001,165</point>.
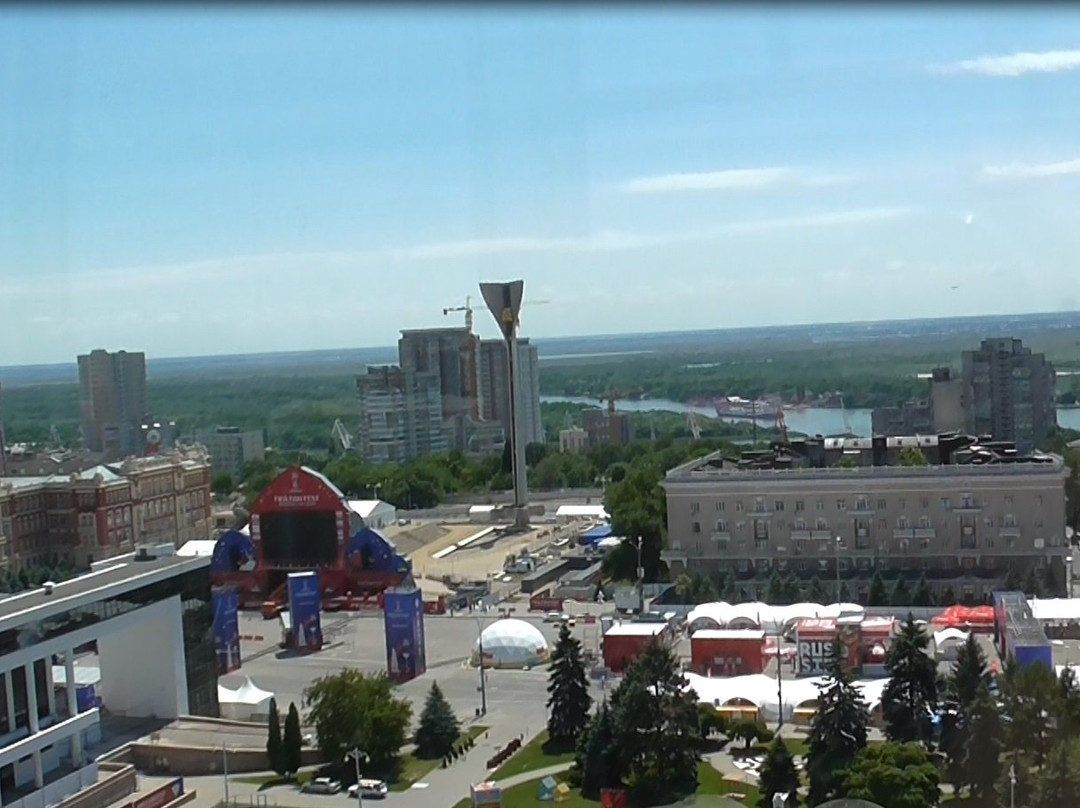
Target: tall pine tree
<point>911,693</point>
<point>275,751</point>
<point>656,727</point>
<point>293,741</point>
<point>598,759</point>
<point>980,767</point>
<point>778,775</point>
<point>438,728</point>
<point>569,701</point>
<point>879,594</point>
<point>838,730</point>
<point>968,676</point>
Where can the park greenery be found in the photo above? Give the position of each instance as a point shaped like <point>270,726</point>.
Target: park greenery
<point>284,751</point>
<point>356,710</point>
<point>569,701</point>
<point>438,729</point>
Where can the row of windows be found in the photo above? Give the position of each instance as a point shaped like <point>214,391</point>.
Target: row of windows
<point>761,505</point>
<point>903,545</point>
<point>822,524</point>
<point>867,565</point>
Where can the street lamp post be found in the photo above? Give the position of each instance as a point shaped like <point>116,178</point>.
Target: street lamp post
<point>1068,577</point>
<point>480,663</point>
<point>836,558</point>
<point>779,683</point>
<point>225,770</point>
<point>640,580</point>
<point>357,755</point>
<point>1012,785</point>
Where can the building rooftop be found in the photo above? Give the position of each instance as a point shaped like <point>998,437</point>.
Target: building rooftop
<point>635,629</point>
<point>947,454</point>
<point>109,580</point>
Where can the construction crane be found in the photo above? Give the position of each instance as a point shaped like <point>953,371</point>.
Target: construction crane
<point>467,308</point>
<point>692,423</point>
<point>341,436</point>
<point>611,396</point>
<point>847,421</point>
<point>781,424</point>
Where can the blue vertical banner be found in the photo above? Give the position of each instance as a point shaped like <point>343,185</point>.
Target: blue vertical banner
<point>226,630</point>
<point>403,610</point>
<point>305,604</point>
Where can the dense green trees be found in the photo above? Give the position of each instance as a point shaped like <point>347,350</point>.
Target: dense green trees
<point>649,737</point>
<point>293,741</point>
<point>911,694</point>
<point>778,775</point>
<point>638,509</point>
<point>275,751</point>
<point>837,733</point>
<point>892,775</point>
<point>353,709</point>
<point>569,701</point>
<point>695,589</point>
<point>438,728</point>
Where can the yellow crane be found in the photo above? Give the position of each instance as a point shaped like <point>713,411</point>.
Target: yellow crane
<point>467,308</point>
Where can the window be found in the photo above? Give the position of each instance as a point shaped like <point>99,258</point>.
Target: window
<point>695,527</point>
<point>882,504</point>
<point>779,505</point>
<point>821,524</point>
<point>821,504</point>
<point>743,565</point>
<point>1008,499</point>
<point>861,504</point>
<point>924,502</point>
<point>800,505</point>
<point>695,507</point>
<point>902,503</point>
<point>924,522</point>
<point>902,523</point>
<point>946,504</point>
<point>721,526</point>
<point>841,505</point>
<point>720,505</point>
<point>883,524</point>
<point>738,505</point>
<point>800,524</point>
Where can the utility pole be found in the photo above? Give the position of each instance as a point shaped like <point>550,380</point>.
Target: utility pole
<point>483,681</point>
<point>640,579</point>
<point>836,558</point>
<point>779,684</point>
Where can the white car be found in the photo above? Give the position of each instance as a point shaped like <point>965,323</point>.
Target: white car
<point>322,785</point>
<point>369,789</point>
<point>552,617</point>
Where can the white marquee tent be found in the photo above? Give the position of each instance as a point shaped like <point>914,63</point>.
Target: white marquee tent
<point>761,692</point>
<point>247,703</point>
<point>763,616</point>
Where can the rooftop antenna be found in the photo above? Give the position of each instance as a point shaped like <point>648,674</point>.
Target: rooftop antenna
<point>504,302</point>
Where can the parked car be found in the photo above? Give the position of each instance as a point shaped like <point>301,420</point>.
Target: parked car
<point>369,789</point>
<point>552,617</point>
<point>322,785</point>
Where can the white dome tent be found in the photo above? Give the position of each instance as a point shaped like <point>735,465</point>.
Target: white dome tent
<point>511,643</point>
<point>947,643</point>
<point>248,703</point>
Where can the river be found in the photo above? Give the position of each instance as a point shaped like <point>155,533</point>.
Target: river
<point>811,421</point>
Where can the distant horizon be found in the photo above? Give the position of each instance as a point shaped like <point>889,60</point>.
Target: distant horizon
<point>538,341</point>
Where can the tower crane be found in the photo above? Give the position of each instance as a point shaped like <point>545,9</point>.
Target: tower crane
<point>781,424</point>
<point>342,436</point>
<point>467,308</point>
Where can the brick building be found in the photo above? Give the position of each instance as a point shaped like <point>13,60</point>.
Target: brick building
<point>104,510</point>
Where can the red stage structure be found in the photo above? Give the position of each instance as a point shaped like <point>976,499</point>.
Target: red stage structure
<point>301,521</point>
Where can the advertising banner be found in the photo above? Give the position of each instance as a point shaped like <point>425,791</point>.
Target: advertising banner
<point>160,797</point>
<point>545,603</point>
<point>304,610</point>
<point>403,610</point>
<point>227,630</point>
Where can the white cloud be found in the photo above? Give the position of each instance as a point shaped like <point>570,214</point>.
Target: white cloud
<point>1028,171</point>
<point>1015,64</point>
<point>735,179</point>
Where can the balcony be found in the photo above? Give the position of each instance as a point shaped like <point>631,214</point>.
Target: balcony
<point>1009,532</point>
<point>801,535</point>
<point>924,533</point>
<point>903,533</point>
<point>756,514</point>
<point>821,535</point>
<point>673,555</point>
<point>720,535</point>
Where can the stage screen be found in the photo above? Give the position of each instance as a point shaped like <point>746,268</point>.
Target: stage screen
<point>299,538</point>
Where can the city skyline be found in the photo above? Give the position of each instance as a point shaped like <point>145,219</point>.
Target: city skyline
<point>180,175</point>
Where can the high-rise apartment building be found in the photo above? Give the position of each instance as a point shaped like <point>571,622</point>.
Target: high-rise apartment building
<point>401,415</point>
<point>230,449</point>
<point>1008,392</point>
<point>112,400</point>
<point>449,355</point>
<point>494,388</point>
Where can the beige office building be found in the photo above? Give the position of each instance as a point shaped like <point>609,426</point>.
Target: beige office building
<point>963,523</point>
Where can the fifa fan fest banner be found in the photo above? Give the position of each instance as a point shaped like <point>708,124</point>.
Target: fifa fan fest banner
<point>305,604</point>
<point>226,630</point>
<point>405,653</point>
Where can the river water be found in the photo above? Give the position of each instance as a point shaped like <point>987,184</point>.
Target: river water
<point>811,421</point>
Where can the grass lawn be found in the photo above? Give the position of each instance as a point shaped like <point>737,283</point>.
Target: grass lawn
<point>710,781</point>
<point>414,768</point>
<point>531,757</point>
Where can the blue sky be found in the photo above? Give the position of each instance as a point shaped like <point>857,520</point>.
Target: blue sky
<point>193,181</point>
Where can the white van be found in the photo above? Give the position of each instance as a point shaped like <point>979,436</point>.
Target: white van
<point>369,789</point>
